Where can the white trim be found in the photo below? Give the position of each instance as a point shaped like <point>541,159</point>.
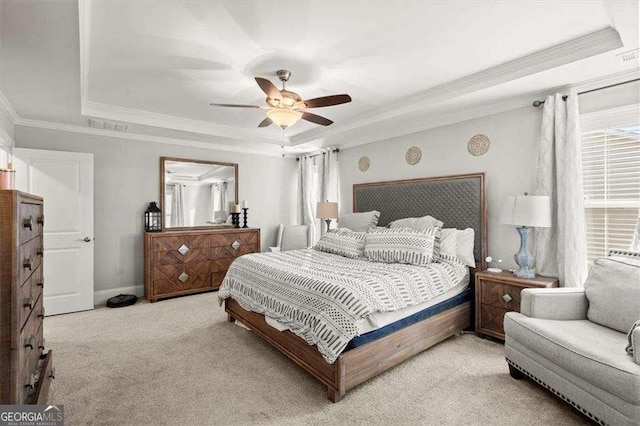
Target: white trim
<point>84,22</point>
<point>561,54</point>
<point>628,114</point>
<point>6,107</point>
<point>100,297</point>
<point>6,139</point>
<point>146,118</point>
<point>269,150</point>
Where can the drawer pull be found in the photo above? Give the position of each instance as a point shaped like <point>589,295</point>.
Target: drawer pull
<point>40,283</point>
<point>28,223</point>
<point>507,298</point>
<point>40,251</point>
<point>41,345</point>
<point>183,250</point>
<point>183,277</point>
<point>32,382</point>
<point>235,245</point>
<point>28,263</point>
<point>52,373</point>
<point>40,220</point>
<point>28,302</point>
<point>30,342</point>
<point>41,313</point>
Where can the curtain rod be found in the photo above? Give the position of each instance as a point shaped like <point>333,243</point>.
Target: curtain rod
<point>323,153</point>
<point>536,104</point>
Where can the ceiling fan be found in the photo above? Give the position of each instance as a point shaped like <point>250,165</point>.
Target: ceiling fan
<point>285,108</point>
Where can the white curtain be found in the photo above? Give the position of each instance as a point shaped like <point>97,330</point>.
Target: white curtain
<point>178,210</point>
<point>318,180</point>
<point>219,203</point>
<point>561,250</point>
<point>215,200</point>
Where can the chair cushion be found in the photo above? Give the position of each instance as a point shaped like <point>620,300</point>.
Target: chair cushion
<point>295,237</point>
<point>343,242</point>
<point>613,291</point>
<point>359,222</point>
<point>594,353</point>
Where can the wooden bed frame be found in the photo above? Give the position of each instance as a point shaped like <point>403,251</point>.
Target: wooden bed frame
<point>359,364</point>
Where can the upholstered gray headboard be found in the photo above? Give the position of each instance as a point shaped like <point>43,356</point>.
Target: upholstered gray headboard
<point>458,201</point>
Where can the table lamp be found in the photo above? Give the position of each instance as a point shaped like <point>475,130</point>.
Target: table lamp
<point>327,210</point>
<point>526,212</point>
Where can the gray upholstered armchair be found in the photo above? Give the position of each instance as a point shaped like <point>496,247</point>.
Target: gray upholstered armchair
<point>581,344</point>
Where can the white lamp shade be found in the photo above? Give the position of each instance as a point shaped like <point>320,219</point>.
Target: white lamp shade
<point>527,210</point>
<point>327,210</point>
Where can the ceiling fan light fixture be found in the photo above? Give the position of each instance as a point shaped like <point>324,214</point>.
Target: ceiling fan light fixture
<point>284,117</point>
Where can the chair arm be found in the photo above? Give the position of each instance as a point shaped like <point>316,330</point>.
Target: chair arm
<point>554,303</point>
<point>635,340</point>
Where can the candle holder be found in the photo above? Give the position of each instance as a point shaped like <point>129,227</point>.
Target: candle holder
<point>245,217</point>
<point>235,220</point>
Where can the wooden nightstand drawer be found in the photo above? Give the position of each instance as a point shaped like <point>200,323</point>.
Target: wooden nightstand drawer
<point>499,293</point>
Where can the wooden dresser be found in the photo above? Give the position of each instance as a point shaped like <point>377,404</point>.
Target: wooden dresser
<point>192,261</point>
<point>499,293</point>
<point>26,369</point>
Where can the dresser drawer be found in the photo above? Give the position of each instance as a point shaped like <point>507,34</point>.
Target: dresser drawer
<point>173,257</point>
<point>500,295</point>
<point>229,238</point>
<point>174,242</point>
<point>175,285</point>
<point>28,338</point>
<point>30,257</point>
<point>29,294</point>
<point>230,252</point>
<point>492,318</point>
<point>31,221</point>
<point>28,375</point>
<point>173,271</point>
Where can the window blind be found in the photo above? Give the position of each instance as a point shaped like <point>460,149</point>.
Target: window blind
<point>611,178</point>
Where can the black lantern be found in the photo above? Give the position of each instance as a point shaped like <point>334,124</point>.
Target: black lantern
<point>153,218</point>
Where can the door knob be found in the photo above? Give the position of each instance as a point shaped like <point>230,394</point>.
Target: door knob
<point>86,239</point>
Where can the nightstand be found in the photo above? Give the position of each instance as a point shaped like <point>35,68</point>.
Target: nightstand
<point>499,293</point>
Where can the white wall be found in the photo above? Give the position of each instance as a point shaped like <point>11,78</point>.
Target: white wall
<point>127,177</point>
<point>509,165</point>
<point>6,138</point>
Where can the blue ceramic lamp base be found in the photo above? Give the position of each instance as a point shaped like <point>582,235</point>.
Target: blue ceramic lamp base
<point>523,258</point>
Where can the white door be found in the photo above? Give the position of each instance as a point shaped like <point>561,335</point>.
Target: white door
<point>65,181</point>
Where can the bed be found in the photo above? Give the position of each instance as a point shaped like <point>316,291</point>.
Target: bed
<point>459,202</point>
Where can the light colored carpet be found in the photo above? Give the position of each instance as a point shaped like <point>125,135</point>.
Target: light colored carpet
<point>178,362</point>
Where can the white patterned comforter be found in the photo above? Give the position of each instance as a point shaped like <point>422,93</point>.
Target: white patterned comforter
<point>324,298</point>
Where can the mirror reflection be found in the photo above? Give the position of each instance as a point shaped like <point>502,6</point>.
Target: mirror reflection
<point>198,193</point>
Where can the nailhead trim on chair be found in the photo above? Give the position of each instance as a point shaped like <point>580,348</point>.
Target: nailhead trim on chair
<point>558,394</point>
<point>624,253</point>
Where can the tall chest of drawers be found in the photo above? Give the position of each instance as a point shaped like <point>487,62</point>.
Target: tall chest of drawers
<point>194,261</point>
<point>26,369</point>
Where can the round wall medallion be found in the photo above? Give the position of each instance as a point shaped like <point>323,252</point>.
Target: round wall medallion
<point>413,156</point>
<point>364,163</point>
<point>478,145</point>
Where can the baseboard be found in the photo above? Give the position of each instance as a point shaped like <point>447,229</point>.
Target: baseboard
<point>100,297</point>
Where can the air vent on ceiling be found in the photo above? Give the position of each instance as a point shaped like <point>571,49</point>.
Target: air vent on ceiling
<point>629,56</point>
<point>107,125</point>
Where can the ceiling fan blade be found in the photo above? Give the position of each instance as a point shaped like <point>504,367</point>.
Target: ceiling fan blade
<point>265,123</point>
<point>235,105</point>
<point>316,119</point>
<point>327,101</point>
<point>268,88</point>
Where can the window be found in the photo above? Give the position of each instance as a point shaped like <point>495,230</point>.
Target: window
<point>611,178</point>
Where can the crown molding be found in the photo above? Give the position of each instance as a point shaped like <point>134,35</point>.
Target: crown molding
<point>269,150</point>
<point>112,112</point>
<point>6,107</point>
<point>6,139</point>
<point>579,48</point>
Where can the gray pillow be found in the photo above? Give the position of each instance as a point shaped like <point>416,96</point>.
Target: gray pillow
<point>613,292</point>
<point>402,245</point>
<point>343,242</point>
<point>417,223</point>
<point>359,222</point>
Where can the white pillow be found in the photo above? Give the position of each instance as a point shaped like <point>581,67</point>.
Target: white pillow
<point>359,222</point>
<point>459,243</point>
<point>417,223</point>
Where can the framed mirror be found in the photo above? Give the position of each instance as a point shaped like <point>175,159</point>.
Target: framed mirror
<point>196,193</point>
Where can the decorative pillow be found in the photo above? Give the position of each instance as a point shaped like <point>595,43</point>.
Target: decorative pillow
<point>459,243</point>
<point>613,291</point>
<point>343,242</point>
<point>359,222</point>
<point>402,245</point>
<point>417,223</point>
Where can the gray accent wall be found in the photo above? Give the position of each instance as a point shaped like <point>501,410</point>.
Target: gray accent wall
<point>127,177</point>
